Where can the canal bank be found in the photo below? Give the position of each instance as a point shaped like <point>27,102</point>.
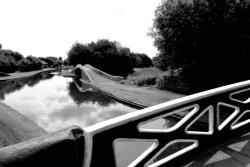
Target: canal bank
<point>15,127</point>
<point>18,75</point>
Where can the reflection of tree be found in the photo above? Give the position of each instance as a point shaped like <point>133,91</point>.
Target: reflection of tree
<point>88,96</point>
<point>10,86</point>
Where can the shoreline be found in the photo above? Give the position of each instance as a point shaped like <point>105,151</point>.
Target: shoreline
<point>18,75</point>
<point>15,127</point>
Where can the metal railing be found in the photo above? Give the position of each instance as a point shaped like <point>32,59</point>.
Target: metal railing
<point>224,113</point>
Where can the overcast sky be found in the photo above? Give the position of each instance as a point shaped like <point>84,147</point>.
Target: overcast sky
<point>50,27</point>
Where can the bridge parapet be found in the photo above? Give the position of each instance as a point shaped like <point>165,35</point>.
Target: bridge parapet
<point>104,74</point>
<point>64,148</point>
<point>81,72</point>
<point>224,112</point>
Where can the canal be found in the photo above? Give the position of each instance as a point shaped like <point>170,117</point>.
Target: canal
<point>55,102</point>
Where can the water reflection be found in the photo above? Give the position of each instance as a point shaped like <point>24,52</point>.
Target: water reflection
<point>57,103</point>
<point>7,87</point>
<point>82,93</point>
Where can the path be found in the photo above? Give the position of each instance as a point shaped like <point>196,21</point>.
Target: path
<point>18,75</point>
<point>233,153</point>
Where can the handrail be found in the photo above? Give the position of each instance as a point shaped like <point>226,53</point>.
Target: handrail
<point>64,148</point>
<point>102,73</point>
<point>231,100</point>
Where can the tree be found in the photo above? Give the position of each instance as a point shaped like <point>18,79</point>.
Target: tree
<point>106,55</point>
<point>5,64</point>
<point>208,40</point>
<point>29,63</point>
<point>8,60</point>
<point>80,54</point>
<point>48,61</point>
<point>141,60</point>
<point>24,65</point>
<point>109,56</point>
<point>55,61</point>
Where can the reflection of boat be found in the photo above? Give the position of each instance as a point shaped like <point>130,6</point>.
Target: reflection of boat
<point>54,73</point>
<point>82,87</point>
<point>64,73</point>
<point>67,73</point>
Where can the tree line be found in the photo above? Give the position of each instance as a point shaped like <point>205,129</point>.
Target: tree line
<point>109,56</point>
<point>204,43</point>
<point>11,61</point>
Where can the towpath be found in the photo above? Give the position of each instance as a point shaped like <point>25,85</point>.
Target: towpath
<point>18,75</point>
<point>14,127</point>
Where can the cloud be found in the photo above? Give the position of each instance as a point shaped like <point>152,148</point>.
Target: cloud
<point>49,28</point>
<point>71,113</point>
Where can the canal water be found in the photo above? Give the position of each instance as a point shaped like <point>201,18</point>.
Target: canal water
<point>55,102</point>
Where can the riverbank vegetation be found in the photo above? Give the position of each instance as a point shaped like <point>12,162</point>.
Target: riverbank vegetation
<point>11,61</point>
<point>143,77</point>
<point>208,42</point>
<point>202,44</point>
<point>156,78</point>
<point>108,56</point>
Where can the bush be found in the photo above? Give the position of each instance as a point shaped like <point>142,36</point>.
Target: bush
<point>146,81</point>
<point>174,83</point>
<point>143,77</point>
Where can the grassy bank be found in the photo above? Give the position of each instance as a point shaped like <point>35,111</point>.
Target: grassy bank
<point>144,77</point>
<point>156,78</point>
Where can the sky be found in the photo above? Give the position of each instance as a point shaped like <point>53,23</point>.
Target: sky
<point>44,28</point>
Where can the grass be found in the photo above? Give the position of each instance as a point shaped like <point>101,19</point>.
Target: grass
<point>144,77</point>
<point>154,77</point>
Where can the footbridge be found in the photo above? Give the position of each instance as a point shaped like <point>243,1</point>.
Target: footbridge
<point>149,137</point>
